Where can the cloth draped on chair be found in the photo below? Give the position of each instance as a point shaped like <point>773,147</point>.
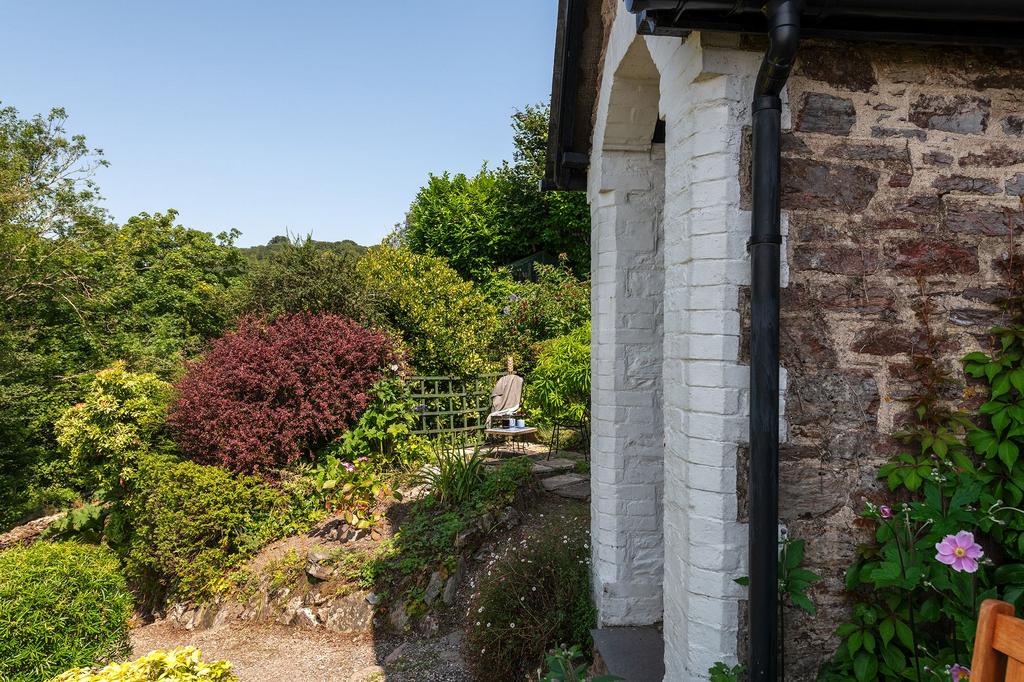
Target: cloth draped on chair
<point>506,397</point>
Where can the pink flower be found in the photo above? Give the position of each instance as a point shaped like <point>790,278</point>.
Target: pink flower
<point>959,551</point>
<point>886,511</point>
<point>958,673</point>
<point>348,466</point>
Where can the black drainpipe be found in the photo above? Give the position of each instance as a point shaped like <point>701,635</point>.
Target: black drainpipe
<point>764,247</point>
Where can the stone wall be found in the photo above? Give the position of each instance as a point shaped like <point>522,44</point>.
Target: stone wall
<point>902,180</point>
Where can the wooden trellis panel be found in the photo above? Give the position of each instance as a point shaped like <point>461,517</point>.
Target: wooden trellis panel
<point>452,408</point>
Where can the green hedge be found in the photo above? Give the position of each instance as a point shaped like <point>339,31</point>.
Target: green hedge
<point>187,524</point>
<point>62,604</point>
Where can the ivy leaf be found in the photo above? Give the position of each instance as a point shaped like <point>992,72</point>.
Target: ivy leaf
<point>904,634</point>
<point>853,644</point>
<point>894,658</point>
<point>991,407</point>
<point>886,630</point>
<point>1000,420</point>
<point>803,575</point>
<point>806,604</point>
<point>912,481</point>
<point>965,494</point>
<point>991,370</point>
<point>1008,453</point>
<point>1017,379</point>
<point>1001,386</point>
<point>794,554</point>
<point>1010,574</point>
<point>865,666</point>
<point>869,642</point>
<point>846,629</point>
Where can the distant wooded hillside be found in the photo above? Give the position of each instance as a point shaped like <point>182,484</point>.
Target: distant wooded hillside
<point>278,243</point>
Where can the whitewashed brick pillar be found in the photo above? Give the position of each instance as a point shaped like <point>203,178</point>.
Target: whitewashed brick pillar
<point>627,195</point>
<point>705,89</point>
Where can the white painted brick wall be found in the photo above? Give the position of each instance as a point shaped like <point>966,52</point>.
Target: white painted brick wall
<point>669,421</point>
<point>627,444</point>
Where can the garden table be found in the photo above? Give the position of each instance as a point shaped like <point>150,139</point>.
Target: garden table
<point>513,435</point>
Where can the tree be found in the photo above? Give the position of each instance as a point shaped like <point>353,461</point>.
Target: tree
<point>496,217</point>
<point>445,323</point>
<point>534,312</point>
<point>47,200</point>
<point>78,293</point>
<point>160,291</point>
<point>301,275</point>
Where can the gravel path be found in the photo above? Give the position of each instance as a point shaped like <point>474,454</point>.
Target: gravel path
<point>274,652</point>
<point>261,652</point>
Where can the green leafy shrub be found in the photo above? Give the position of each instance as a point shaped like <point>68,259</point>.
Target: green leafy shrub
<point>383,433</point>
<point>120,419</point>
<point>352,487</point>
<point>559,387</point>
<point>721,672</point>
<point>533,598</point>
<point>61,605</point>
<point>303,275</point>
<point>178,665</point>
<point>570,665</point>
<point>452,475</point>
<point>186,525</point>
<point>446,324</point>
<point>534,312</point>
<point>426,538</point>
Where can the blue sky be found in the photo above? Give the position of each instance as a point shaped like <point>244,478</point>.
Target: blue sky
<point>305,115</point>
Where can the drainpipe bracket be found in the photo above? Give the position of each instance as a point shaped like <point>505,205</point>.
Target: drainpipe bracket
<point>762,102</point>
<point>764,239</point>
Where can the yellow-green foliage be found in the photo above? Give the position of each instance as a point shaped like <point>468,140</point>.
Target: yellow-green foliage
<point>559,386</point>
<point>61,604</point>
<point>444,321</point>
<point>178,665</point>
<point>119,419</point>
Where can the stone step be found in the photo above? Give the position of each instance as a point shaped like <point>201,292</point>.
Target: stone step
<point>574,486</point>
<point>545,468</point>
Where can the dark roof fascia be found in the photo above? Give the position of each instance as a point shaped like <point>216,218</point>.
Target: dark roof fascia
<point>997,23</point>
<point>578,41</point>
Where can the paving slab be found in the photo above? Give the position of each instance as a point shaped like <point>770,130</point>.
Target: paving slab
<point>575,491</point>
<point>562,480</point>
<point>543,469</point>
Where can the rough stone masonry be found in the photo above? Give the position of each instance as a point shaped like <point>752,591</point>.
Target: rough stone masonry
<point>902,180</point>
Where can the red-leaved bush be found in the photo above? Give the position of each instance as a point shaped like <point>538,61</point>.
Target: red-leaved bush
<point>266,394</point>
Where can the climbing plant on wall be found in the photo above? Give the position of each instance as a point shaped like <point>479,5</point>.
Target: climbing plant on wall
<point>954,535</point>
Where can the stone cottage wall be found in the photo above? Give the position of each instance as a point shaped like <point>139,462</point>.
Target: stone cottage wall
<point>902,181</point>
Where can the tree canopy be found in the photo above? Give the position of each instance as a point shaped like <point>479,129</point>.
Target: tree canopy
<point>498,216</point>
<point>78,292</point>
